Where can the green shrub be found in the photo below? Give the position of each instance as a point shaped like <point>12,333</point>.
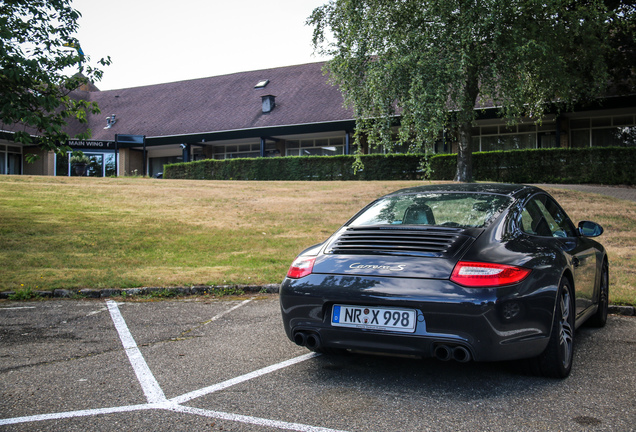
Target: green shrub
<point>376,167</point>
<point>599,165</point>
<point>603,165</point>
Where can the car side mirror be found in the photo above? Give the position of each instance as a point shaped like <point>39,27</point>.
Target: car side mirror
<point>590,229</point>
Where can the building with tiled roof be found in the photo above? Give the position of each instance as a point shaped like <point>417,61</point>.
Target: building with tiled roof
<point>286,111</point>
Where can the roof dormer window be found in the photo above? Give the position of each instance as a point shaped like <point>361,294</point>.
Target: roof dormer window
<point>268,103</point>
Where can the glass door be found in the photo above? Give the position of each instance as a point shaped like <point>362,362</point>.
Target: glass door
<point>95,166</point>
<point>99,165</point>
<point>14,163</point>
<point>109,165</point>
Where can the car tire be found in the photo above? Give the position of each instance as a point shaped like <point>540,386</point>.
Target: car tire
<point>600,317</point>
<point>556,360</point>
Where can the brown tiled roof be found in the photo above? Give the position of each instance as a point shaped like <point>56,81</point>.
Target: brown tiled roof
<point>221,103</point>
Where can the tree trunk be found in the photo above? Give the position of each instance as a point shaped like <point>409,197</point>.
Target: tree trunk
<point>464,154</point>
<point>464,127</point>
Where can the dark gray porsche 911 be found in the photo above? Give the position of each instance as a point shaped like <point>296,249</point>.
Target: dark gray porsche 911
<point>480,272</point>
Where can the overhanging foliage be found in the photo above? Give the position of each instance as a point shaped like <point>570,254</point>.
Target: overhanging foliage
<point>433,61</point>
<point>41,64</point>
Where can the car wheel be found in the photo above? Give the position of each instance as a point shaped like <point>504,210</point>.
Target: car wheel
<point>556,360</point>
<point>600,317</point>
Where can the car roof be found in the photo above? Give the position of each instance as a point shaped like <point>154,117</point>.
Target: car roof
<point>512,190</point>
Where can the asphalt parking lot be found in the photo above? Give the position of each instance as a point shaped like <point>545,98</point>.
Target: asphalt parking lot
<point>208,365</point>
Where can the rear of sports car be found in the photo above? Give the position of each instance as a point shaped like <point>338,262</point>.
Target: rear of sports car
<point>421,289</point>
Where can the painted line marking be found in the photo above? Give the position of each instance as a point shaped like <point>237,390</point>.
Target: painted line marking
<point>71,414</point>
<point>149,384</point>
<point>95,312</point>
<point>17,307</point>
<point>156,398</point>
<point>234,381</point>
<point>175,408</point>
<point>252,420</point>
<point>214,318</point>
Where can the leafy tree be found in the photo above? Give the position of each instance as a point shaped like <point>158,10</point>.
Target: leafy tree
<point>431,62</point>
<point>39,63</point>
<point>622,39</point>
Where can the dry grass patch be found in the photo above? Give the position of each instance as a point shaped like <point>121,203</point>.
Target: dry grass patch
<point>60,232</point>
<point>126,232</point>
<point>618,218</point>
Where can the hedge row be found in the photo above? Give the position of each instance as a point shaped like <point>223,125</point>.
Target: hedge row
<point>599,165</point>
<point>376,167</point>
<point>609,165</point>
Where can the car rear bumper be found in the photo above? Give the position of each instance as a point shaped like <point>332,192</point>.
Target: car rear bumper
<point>490,323</point>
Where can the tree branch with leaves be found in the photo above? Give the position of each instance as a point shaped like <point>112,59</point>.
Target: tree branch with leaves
<point>41,66</point>
<point>431,63</point>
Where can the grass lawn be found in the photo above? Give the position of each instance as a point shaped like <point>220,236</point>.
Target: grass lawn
<point>61,232</point>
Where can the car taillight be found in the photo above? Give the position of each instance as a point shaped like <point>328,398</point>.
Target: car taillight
<point>478,274</point>
<point>301,267</point>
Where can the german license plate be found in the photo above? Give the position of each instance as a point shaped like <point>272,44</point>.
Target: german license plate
<point>377,318</point>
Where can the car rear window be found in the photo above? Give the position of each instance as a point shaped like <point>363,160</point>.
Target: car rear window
<point>460,210</point>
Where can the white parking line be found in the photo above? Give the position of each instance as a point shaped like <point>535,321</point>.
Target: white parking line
<point>216,317</point>
<point>171,407</point>
<point>95,312</point>
<point>252,420</point>
<point>231,382</point>
<point>17,307</point>
<point>149,384</point>
<point>156,398</point>
<point>71,414</point>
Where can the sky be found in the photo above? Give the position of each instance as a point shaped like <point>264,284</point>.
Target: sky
<point>159,41</point>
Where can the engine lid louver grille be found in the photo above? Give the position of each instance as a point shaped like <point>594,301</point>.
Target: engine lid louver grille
<point>430,242</point>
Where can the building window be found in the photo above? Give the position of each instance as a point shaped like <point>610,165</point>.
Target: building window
<point>521,136</point>
<point>507,142</point>
<point>546,140</point>
<point>315,147</point>
<point>580,138</point>
<point>100,165</point>
<point>61,164</point>
<point>404,148</point>
<point>609,131</point>
<point>237,151</point>
<point>244,151</point>
<point>614,137</point>
<point>10,160</point>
